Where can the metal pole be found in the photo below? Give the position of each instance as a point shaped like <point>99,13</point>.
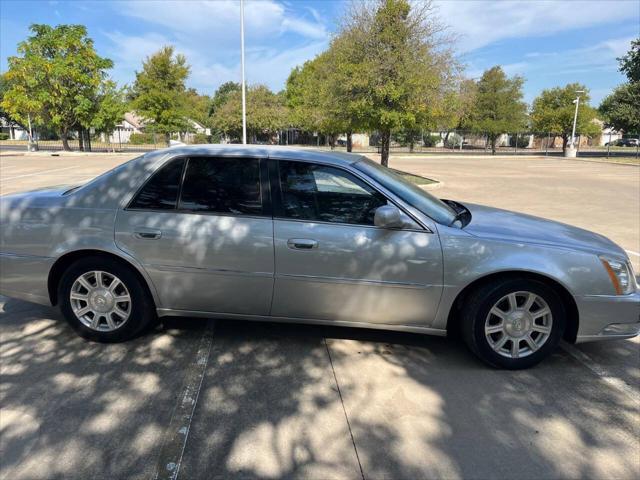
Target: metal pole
<point>575,119</point>
<point>516,149</point>
<point>244,101</point>
<point>546,149</point>
<point>609,143</point>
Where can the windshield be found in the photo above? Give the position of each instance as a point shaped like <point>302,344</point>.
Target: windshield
<point>409,192</point>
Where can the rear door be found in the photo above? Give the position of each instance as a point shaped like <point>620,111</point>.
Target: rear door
<point>203,230</point>
<point>332,263</point>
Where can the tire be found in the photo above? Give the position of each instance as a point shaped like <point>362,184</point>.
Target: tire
<point>125,319</point>
<point>533,337</point>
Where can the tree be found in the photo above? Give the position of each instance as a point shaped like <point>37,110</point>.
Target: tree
<point>266,113</point>
<point>630,63</point>
<point>553,111</point>
<point>111,107</point>
<point>159,93</point>
<point>221,94</point>
<point>621,109</point>
<point>55,78</point>
<point>313,99</point>
<point>498,107</point>
<point>395,66</point>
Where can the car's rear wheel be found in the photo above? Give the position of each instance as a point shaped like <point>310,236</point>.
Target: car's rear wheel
<point>104,300</point>
<point>513,323</point>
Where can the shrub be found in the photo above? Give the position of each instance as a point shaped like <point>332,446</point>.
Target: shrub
<point>431,140</point>
<point>141,138</point>
<point>523,141</point>
<point>199,138</point>
<point>4,136</point>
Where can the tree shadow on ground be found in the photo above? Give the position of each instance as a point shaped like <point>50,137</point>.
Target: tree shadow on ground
<point>269,407</point>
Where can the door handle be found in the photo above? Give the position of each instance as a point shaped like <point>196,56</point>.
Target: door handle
<point>148,234</point>
<point>302,243</point>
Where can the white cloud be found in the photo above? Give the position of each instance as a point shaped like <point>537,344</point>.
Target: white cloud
<point>480,23</point>
<point>207,33</point>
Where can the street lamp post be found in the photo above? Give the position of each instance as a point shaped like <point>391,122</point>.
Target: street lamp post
<point>244,102</point>
<point>571,151</point>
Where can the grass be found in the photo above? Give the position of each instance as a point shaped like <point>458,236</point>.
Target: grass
<point>417,179</point>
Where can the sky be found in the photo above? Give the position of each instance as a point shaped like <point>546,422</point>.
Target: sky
<point>550,43</point>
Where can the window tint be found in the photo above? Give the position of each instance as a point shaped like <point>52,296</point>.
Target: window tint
<point>222,185</point>
<point>321,193</point>
<point>161,191</point>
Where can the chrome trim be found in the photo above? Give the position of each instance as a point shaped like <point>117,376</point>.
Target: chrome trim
<point>353,281</point>
<point>212,271</point>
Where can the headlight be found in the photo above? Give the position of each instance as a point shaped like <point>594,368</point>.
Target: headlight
<point>620,274</point>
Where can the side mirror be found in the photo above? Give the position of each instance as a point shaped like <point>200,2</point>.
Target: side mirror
<point>388,216</point>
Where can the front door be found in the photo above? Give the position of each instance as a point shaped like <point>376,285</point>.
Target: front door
<point>332,263</point>
<point>202,230</point>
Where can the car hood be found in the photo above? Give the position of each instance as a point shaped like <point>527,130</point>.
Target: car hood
<point>493,223</point>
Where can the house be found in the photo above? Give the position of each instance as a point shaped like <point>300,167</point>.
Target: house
<point>133,123</point>
<point>14,130</point>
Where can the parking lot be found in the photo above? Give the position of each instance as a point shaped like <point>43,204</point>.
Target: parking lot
<point>230,399</point>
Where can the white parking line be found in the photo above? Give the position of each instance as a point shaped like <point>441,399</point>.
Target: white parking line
<point>633,253</point>
<point>177,432</point>
<point>37,173</point>
<point>599,370</point>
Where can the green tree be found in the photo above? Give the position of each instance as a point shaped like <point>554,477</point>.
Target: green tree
<point>266,113</point>
<point>621,109</point>
<point>221,94</point>
<point>159,93</point>
<point>55,78</point>
<point>630,63</point>
<point>395,65</point>
<point>110,108</point>
<point>313,99</point>
<point>553,111</point>
<point>498,107</point>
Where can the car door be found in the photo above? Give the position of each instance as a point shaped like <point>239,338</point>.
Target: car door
<point>332,263</point>
<point>202,228</point>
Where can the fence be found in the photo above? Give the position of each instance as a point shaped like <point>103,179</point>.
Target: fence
<point>452,142</point>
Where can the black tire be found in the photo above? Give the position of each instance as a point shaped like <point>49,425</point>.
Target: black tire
<point>142,313</point>
<point>477,307</point>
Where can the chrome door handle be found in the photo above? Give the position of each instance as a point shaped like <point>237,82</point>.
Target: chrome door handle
<point>302,243</point>
<point>148,234</point>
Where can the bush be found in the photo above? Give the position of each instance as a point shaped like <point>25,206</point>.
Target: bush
<point>141,138</point>
<point>431,140</point>
<point>4,136</point>
<point>523,141</point>
<point>200,138</point>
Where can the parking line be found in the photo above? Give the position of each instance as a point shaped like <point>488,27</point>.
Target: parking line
<point>599,370</point>
<point>177,432</point>
<point>37,173</point>
<point>633,253</point>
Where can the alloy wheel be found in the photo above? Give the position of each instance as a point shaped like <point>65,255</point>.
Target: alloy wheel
<point>518,324</point>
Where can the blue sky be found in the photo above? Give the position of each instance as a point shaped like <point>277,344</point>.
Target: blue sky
<point>550,43</point>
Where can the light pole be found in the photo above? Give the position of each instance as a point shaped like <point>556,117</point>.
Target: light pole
<point>244,102</point>
<point>575,118</point>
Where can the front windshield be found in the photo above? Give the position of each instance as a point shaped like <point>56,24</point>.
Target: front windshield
<point>409,192</point>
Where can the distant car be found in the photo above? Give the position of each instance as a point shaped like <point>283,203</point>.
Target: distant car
<point>266,233</point>
<point>623,142</point>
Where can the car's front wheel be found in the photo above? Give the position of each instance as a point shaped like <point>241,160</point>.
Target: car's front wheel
<point>104,300</point>
<point>513,323</point>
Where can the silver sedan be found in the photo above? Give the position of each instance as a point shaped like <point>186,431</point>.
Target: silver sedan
<point>314,237</point>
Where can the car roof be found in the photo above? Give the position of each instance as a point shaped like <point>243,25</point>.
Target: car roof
<point>262,151</point>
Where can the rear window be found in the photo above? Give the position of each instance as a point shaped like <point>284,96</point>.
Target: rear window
<point>222,185</point>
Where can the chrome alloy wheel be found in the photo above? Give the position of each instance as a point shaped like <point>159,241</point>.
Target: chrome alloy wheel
<point>518,324</point>
<point>100,300</point>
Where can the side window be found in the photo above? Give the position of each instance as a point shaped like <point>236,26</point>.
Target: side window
<point>320,193</point>
<point>222,185</point>
<point>161,191</point>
